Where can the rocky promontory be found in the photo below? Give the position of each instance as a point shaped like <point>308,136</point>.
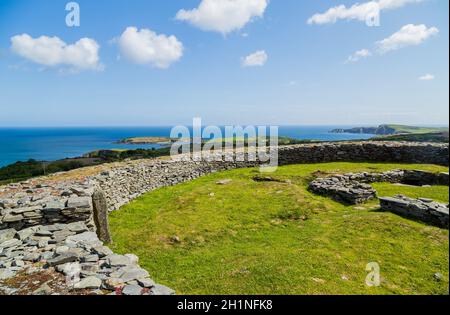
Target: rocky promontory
<point>384,130</point>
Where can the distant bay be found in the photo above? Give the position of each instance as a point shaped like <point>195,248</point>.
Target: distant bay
<point>49,144</point>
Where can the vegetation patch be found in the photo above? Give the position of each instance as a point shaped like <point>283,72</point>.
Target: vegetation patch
<point>275,237</point>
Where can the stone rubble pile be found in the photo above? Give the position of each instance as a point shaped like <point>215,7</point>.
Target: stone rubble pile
<point>422,209</point>
<point>76,252</point>
<point>342,189</point>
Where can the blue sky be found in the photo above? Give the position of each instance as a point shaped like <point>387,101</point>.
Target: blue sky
<point>307,78</point>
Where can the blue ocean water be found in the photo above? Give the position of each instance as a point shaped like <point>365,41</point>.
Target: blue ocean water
<point>48,144</point>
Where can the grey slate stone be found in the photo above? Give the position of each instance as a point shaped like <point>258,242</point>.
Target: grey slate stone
<point>79,202</point>
<point>9,218</point>
<point>162,290</point>
<point>118,260</point>
<point>88,238</point>
<point>62,259</point>
<point>89,283</point>
<point>146,283</point>
<point>6,235</point>
<point>90,258</point>
<point>26,233</point>
<point>102,251</point>
<point>6,274</point>
<point>132,290</point>
<point>134,274</point>
<point>10,243</point>
<point>113,283</point>
<point>77,227</point>
<point>33,257</point>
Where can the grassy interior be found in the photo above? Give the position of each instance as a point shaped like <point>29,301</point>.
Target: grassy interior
<point>249,237</point>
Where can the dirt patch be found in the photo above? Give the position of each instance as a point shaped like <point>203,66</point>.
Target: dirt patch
<point>36,281</point>
<point>269,179</point>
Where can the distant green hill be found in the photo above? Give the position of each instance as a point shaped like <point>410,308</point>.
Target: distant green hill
<point>437,137</point>
<point>391,129</point>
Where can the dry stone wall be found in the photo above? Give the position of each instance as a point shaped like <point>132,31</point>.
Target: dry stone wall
<point>29,204</point>
<point>135,178</point>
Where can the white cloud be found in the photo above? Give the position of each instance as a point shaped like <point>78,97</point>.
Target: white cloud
<point>258,58</point>
<point>223,16</point>
<point>358,11</point>
<point>360,54</point>
<point>408,35</point>
<point>427,77</point>
<point>146,47</point>
<point>52,51</point>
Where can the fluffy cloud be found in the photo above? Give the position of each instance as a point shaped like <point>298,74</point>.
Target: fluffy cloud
<point>360,54</point>
<point>223,16</point>
<point>52,51</point>
<point>258,58</point>
<point>359,11</point>
<point>146,47</point>
<point>426,77</point>
<point>409,35</point>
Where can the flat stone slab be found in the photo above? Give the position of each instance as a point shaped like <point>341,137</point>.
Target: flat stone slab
<point>6,235</point>
<point>118,260</point>
<point>62,259</point>
<point>132,289</point>
<point>79,202</point>
<point>89,283</point>
<point>162,290</point>
<point>134,274</point>
<point>88,238</point>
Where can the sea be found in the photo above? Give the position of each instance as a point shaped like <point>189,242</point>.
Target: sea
<point>49,144</point>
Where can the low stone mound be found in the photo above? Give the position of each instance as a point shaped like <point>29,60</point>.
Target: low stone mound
<point>341,189</point>
<point>355,189</point>
<point>424,210</point>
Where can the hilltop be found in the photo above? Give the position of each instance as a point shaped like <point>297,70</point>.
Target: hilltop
<point>387,129</point>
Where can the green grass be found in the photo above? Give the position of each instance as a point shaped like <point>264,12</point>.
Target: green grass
<point>437,137</point>
<point>251,237</point>
<point>415,129</point>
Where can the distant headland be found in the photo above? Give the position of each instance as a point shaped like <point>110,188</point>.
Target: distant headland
<point>384,130</point>
<point>147,140</point>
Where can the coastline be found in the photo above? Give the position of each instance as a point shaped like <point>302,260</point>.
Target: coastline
<point>52,144</point>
